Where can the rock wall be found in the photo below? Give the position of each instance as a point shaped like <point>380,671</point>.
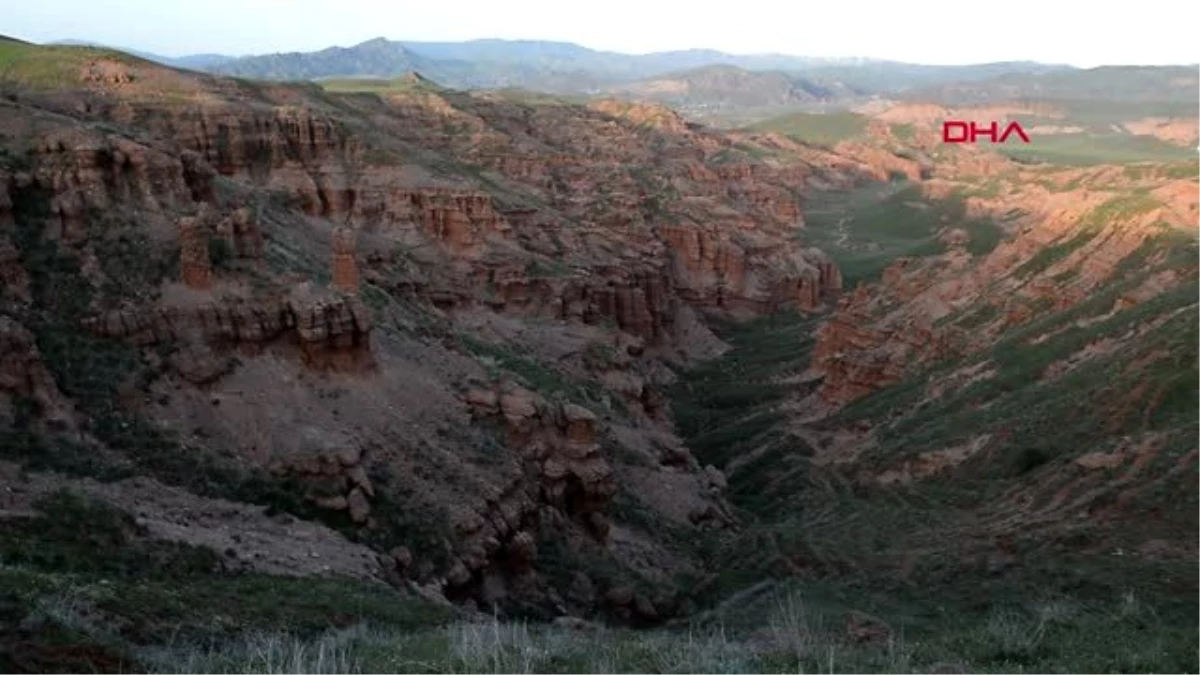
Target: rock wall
<point>332,333</point>
<point>14,281</point>
<point>755,274</point>
<point>195,265</point>
<point>559,445</point>
<point>345,268</point>
<point>24,375</point>
<point>87,172</point>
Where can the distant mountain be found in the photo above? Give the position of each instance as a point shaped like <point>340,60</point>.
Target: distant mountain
<point>374,58</point>
<point>723,93</point>
<point>1107,83</point>
<point>564,67</point>
<point>896,76</point>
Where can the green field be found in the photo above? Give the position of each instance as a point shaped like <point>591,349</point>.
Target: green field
<point>867,228</point>
<point>1090,148</point>
<point>371,85</point>
<point>50,66</point>
<point>815,128</point>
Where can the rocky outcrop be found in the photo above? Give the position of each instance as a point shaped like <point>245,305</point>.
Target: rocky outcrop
<point>239,141</point>
<point>559,444</point>
<point>747,271</point>
<point>14,281</point>
<point>853,358</point>
<point>332,334</point>
<point>195,266</point>
<point>86,172</point>
<point>24,375</point>
<point>345,268</point>
<point>335,475</point>
<point>567,158</point>
<point>241,233</point>
<point>856,355</point>
<point>495,553</point>
<point>457,220</point>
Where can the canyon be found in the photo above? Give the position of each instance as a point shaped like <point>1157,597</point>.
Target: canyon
<point>548,360</point>
<point>239,243</point>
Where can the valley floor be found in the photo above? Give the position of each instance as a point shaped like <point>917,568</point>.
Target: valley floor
<point>1053,640</point>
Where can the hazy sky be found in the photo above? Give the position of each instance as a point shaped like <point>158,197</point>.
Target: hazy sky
<point>925,31</point>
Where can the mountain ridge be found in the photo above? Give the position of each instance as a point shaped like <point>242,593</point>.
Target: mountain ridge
<point>562,56</point>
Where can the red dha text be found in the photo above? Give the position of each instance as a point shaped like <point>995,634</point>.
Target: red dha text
<point>958,131</point>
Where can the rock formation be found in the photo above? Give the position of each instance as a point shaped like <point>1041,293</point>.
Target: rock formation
<point>195,265</point>
<point>345,268</point>
<point>560,441</point>
<point>24,375</point>
<point>87,173</point>
<point>242,234</point>
<point>333,334</point>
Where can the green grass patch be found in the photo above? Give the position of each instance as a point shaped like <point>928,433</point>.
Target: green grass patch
<point>821,129</point>
<point>867,228</point>
<point>378,85</point>
<point>76,534</point>
<point>1085,149</point>
<point>903,132</point>
<point>83,585</point>
<point>729,404</point>
<point>1049,255</point>
<point>53,66</point>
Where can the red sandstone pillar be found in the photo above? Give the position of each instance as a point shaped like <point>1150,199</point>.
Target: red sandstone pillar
<point>345,269</point>
<point>194,265</point>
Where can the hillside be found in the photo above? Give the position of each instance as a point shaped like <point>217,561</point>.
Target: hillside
<point>384,375</point>
<point>1118,86</point>
<point>727,94</point>
<point>1061,131</point>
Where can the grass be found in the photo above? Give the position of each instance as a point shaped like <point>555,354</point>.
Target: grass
<point>68,531</point>
<point>1040,426</point>
<point>903,132</point>
<point>379,85</point>
<point>866,229</point>
<point>83,587</point>
<point>1048,256</point>
<point>51,67</point>
<point>1052,636</point>
<point>1084,149</point>
<point>821,129</point>
<point>728,405</point>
